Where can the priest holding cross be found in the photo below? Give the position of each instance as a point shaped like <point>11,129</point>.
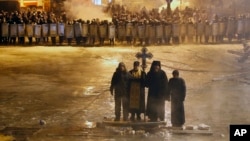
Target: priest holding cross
<point>137,86</point>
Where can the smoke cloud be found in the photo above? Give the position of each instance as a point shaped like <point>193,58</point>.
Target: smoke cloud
<point>176,4</point>
<point>84,9</point>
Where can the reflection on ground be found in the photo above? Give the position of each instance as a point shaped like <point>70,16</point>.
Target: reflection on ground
<point>68,88</point>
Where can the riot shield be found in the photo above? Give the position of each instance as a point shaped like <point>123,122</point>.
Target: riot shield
<point>190,30</point>
<point>29,30</point>
<point>222,28</point>
<point>129,28</point>
<point>37,31</point>
<point>13,30</point>
<point>147,30</point>
<point>208,30</point>
<point>183,29</point>
<point>45,30</point>
<point>69,31</point>
<point>93,30</point>
<point>5,29</point>
<point>21,30</point>
<point>176,30</point>
<point>240,26</point>
<point>152,31</point>
<point>141,33</point>
<point>103,31</point>
<point>247,26</point>
<point>121,31</point>
<point>111,31</point>
<point>168,30</point>
<point>200,29</point>
<point>215,29</point>
<point>159,31</point>
<point>53,30</point>
<point>78,29</point>
<point>85,30</point>
<point>61,29</point>
<point>230,27</point>
<point>135,31</point>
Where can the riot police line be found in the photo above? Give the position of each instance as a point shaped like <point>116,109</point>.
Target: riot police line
<point>132,32</point>
<point>57,32</point>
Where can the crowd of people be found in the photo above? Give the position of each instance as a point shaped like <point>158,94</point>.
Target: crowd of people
<point>151,27</point>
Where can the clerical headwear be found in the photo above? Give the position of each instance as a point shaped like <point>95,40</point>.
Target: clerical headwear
<point>156,63</point>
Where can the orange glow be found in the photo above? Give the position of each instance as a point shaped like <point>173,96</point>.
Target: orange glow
<point>30,2</point>
<point>175,4</point>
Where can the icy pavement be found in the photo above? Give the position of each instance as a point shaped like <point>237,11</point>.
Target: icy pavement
<point>68,89</point>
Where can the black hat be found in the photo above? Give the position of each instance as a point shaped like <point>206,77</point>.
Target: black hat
<point>156,63</point>
<point>136,63</point>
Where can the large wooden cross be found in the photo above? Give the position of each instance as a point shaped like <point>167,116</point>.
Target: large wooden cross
<point>144,54</point>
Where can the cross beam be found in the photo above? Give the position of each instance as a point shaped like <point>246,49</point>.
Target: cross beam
<point>144,54</point>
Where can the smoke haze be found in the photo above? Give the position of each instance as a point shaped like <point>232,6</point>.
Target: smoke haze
<point>84,9</point>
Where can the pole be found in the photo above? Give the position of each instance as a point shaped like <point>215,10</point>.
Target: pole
<point>143,69</point>
<point>234,8</point>
<point>180,4</point>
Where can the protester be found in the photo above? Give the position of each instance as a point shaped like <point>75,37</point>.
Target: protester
<point>119,85</point>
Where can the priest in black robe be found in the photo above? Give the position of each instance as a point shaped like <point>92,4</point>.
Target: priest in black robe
<point>157,83</point>
<point>177,90</point>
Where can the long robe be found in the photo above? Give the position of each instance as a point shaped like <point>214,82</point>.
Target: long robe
<point>177,90</point>
<point>157,83</point>
<point>137,91</point>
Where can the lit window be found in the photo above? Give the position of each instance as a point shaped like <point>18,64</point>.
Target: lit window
<point>97,2</point>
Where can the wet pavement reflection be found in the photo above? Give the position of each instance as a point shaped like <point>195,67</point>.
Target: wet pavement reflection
<point>64,91</point>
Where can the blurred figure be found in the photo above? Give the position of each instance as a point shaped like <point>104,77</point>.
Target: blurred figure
<point>70,30</point>
<point>177,90</point>
<point>157,83</point>
<point>119,84</point>
<point>61,32</point>
<point>111,33</point>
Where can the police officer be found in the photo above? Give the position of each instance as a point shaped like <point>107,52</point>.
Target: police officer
<point>61,37</point>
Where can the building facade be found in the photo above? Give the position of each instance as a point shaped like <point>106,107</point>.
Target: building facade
<point>41,4</point>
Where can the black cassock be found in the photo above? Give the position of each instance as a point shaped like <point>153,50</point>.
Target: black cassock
<point>157,83</point>
<point>177,89</point>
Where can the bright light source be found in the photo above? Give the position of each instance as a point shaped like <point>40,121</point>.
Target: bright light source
<point>97,2</point>
<point>175,4</point>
